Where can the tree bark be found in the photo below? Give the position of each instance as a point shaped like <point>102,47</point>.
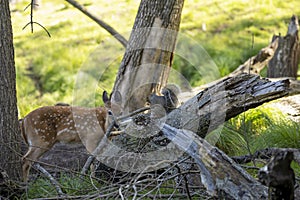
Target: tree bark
<point>221,176</point>
<point>149,54</point>
<point>286,58</point>
<point>224,100</point>
<point>9,131</point>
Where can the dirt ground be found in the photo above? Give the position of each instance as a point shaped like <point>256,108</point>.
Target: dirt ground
<point>62,157</point>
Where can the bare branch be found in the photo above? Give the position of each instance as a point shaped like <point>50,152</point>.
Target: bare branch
<point>256,63</point>
<point>32,22</point>
<point>87,165</point>
<point>51,178</point>
<point>31,5</point>
<point>266,154</point>
<point>101,23</point>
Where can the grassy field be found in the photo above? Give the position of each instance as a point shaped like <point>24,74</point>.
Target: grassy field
<point>223,33</point>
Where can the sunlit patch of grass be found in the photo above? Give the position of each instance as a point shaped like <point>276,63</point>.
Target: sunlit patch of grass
<point>231,24</point>
<point>250,131</point>
<point>281,134</point>
<point>228,138</point>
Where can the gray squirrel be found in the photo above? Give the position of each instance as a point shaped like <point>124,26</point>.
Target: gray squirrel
<point>168,100</point>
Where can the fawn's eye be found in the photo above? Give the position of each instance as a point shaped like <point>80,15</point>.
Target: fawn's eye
<point>110,112</point>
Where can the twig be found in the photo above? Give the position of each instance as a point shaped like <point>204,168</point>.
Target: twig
<point>51,178</point>
<point>133,113</point>
<point>31,5</point>
<point>109,129</point>
<point>135,192</point>
<point>185,182</point>
<point>87,165</point>
<point>32,22</point>
<point>120,193</point>
<point>50,165</point>
<point>104,25</point>
<point>250,167</point>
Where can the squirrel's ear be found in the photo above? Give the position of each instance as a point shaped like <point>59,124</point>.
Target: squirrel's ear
<point>174,88</point>
<point>117,96</point>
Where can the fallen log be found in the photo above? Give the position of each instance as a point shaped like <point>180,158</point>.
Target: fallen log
<point>224,100</point>
<point>222,177</point>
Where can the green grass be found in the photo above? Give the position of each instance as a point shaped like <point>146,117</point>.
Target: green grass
<point>70,184</point>
<point>281,134</point>
<point>256,129</point>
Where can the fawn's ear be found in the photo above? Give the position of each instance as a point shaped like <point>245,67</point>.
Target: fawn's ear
<point>117,97</point>
<point>105,97</point>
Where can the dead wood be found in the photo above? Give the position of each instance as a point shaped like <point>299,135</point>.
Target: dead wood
<point>200,115</point>
<point>222,177</point>
<point>294,84</point>
<point>51,178</point>
<point>267,154</point>
<point>286,58</point>
<point>256,63</point>
<point>224,100</point>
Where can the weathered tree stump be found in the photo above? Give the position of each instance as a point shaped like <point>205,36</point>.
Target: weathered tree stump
<point>286,58</point>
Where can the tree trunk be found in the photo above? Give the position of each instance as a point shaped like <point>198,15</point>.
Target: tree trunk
<point>148,58</point>
<point>10,165</point>
<point>286,58</point>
